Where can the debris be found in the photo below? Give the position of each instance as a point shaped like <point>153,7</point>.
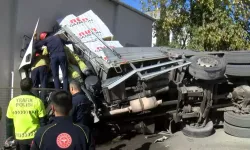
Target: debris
<point>161,139</point>
<point>150,136</point>
<point>166,133</point>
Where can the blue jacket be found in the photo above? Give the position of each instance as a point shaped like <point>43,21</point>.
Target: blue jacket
<point>54,44</point>
<point>81,111</point>
<point>62,133</point>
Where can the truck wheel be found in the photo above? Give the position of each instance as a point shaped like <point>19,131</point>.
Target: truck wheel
<point>199,132</point>
<point>239,120</point>
<point>237,57</point>
<point>236,131</point>
<point>238,70</point>
<point>207,67</point>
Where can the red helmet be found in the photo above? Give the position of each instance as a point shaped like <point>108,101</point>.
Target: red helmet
<point>43,35</point>
<point>37,54</point>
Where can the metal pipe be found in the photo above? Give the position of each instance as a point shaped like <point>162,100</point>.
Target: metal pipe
<point>149,92</point>
<point>12,85</point>
<point>154,85</point>
<point>138,105</point>
<point>167,103</point>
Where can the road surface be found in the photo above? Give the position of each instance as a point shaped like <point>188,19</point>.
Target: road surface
<point>218,141</point>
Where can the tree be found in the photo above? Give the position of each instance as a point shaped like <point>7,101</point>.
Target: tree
<point>209,25</point>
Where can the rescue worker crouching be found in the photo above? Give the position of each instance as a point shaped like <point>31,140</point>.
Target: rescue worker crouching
<point>62,133</point>
<point>76,66</point>
<point>39,72</point>
<point>25,114</point>
<point>58,57</point>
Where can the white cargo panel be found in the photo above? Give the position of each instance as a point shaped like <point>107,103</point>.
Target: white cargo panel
<point>82,25</point>
<point>97,47</point>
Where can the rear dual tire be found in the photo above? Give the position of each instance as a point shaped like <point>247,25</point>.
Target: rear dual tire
<point>237,124</point>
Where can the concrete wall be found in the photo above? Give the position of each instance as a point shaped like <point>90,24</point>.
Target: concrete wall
<point>132,28</point>
<point>7,25</point>
<point>127,26</point>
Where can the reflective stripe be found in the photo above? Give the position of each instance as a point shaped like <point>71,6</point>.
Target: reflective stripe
<point>83,132</point>
<point>24,112</point>
<point>25,135</point>
<point>44,133</point>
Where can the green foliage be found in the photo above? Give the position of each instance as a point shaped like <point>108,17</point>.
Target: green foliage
<point>209,25</point>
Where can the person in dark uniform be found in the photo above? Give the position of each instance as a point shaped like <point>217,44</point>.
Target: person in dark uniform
<point>25,114</point>
<point>62,133</point>
<point>39,73</point>
<point>81,111</point>
<point>55,46</point>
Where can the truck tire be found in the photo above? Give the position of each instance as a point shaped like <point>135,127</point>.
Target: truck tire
<point>207,67</point>
<point>237,119</point>
<point>236,131</point>
<point>238,70</point>
<point>199,132</point>
<point>241,57</point>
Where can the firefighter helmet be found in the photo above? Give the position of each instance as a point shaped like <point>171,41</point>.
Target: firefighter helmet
<point>43,35</point>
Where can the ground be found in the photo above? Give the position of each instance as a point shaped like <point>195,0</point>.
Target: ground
<point>218,141</point>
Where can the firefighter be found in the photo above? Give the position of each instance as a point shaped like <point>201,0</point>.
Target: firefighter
<point>81,111</point>
<point>25,114</point>
<point>62,133</point>
<point>76,66</point>
<point>55,46</point>
<point>39,72</point>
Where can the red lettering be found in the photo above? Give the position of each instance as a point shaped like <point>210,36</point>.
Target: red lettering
<point>78,19</point>
<point>85,19</point>
<point>81,34</point>
<point>94,29</point>
<point>73,21</point>
<point>87,32</point>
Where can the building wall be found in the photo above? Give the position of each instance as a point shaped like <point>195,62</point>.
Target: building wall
<point>132,28</point>
<point>7,24</point>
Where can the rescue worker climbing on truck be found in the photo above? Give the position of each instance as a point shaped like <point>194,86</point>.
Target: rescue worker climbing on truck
<point>55,46</point>
<point>25,114</point>
<point>39,71</point>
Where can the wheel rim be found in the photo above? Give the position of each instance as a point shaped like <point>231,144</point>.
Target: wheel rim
<point>207,62</point>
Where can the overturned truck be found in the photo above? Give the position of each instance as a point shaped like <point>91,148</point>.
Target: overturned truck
<point>131,86</point>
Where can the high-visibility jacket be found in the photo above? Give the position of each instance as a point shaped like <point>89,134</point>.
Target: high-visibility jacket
<point>75,63</point>
<point>41,60</point>
<point>26,111</point>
